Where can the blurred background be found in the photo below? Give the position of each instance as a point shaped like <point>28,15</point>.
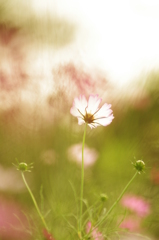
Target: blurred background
<point>50,53</point>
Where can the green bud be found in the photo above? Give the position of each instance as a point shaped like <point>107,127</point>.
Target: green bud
<point>103,197</point>
<point>139,166</point>
<point>23,167</point>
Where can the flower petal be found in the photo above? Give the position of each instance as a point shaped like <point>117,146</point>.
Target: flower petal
<point>104,116</point>
<point>104,121</point>
<point>93,125</point>
<point>93,103</point>
<point>79,106</point>
<point>104,111</point>
<point>81,103</point>
<point>74,111</point>
<point>80,121</point>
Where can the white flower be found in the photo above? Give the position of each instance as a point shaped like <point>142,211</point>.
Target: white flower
<point>90,113</point>
<point>74,153</point>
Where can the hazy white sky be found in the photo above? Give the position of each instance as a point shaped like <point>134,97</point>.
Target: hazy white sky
<point>118,36</point>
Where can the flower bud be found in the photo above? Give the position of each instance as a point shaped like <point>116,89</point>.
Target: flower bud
<point>103,197</point>
<point>23,167</point>
<point>139,166</point>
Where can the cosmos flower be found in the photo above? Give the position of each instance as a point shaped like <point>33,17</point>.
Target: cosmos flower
<point>90,113</point>
<point>131,223</point>
<point>95,234</point>
<point>74,154</point>
<point>136,204</point>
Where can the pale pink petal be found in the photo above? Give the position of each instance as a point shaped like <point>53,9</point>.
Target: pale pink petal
<point>80,121</point>
<point>93,103</point>
<point>81,103</point>
<point>136,204</point>
<point>79,106</point>
<point>88,227</point>
<point>95,234</point>
<point>104,111</point>
<point>104,121</point>
<point>93,125</point>
<point>75,112</point>
<point>131,223</point>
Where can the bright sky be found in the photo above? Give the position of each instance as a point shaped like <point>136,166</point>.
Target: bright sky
<point>118,36</point>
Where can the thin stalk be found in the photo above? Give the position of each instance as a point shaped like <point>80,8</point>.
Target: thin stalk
<point>82,182</point>
<point>35,203</point>
<point>118,199</point>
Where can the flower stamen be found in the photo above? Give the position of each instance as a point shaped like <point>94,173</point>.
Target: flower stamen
<point>80,113</point>
<point>96,111</point>
<point>88,118</point>
<point>99,118</point>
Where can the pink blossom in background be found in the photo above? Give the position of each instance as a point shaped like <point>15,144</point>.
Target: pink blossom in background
<point>95,234</point>
<point>74,153</point>
<point>136,204</point>
<point>78,78</point>
<point>90,113</point>
<point>13,58</point>
<point>13,223</point>
<point>130,223</point>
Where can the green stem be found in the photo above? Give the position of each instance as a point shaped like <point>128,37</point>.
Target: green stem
<point>118,199</point>
<point>34,201</point>
<point>82,181</point>
<point>100,209</point>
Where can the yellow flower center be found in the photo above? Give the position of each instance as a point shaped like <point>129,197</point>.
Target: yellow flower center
<point>88,118</point>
